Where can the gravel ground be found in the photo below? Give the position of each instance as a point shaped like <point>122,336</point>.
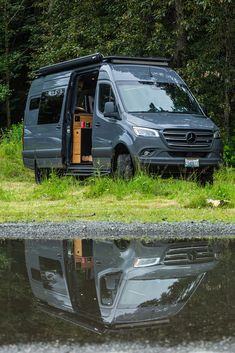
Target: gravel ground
<point>198,347</point>
<point>88,229</point>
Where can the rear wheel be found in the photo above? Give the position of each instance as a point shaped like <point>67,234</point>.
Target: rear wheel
<point>40,174</point>
<point>124,169</point>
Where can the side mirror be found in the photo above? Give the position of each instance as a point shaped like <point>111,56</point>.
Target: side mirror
<point>110,111</point>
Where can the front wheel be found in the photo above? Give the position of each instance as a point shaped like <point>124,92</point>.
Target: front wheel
<point>125,169</point>
<point>40,174</point>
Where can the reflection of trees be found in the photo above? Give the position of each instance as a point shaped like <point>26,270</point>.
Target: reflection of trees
<point>21,320</point>
<point>181,100</point>
<point>174,294</point>
<point>15,299</point>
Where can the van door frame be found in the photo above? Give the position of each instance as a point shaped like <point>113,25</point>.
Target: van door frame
<point>69,111</point>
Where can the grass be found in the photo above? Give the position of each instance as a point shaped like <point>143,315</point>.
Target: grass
<point>144,198</point>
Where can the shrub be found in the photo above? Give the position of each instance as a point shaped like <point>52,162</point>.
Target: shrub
<point>11,155</point>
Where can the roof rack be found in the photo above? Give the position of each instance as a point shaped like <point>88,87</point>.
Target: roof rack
<point>99,58</point>
<point>70,64</point>
<point>158,61</point>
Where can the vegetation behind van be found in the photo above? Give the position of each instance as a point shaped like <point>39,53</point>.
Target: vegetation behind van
<point>115,114</point>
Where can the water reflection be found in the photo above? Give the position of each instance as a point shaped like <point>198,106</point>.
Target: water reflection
<point>115,284</point>
<point>170,292</point>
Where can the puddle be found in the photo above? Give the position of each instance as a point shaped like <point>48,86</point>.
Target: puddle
<point>118,293</point>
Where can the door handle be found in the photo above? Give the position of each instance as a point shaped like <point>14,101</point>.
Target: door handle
<point>97,124</point>
<point>58,127</point>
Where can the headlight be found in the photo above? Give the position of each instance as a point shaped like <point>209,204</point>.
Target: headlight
<point>217,134</point>
<point>142,131</point>
<point>146,262</point>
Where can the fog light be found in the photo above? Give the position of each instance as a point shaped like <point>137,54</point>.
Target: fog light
<point>147,152</point>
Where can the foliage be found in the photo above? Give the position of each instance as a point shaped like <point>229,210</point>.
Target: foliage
<point>11,154</point>
<point>4,92</point>
<point>197,35</point>
<point>229,152</point>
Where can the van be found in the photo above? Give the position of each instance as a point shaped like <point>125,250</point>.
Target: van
<point>104,285</point>
<point>101,115</point>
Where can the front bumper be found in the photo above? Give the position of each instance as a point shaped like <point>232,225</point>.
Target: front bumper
<point>155,153</point>
<point>178,162</point>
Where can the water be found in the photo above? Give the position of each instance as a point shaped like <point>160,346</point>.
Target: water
<point>127,295</point>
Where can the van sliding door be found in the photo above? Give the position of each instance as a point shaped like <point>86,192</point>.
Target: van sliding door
<point>50,137</point>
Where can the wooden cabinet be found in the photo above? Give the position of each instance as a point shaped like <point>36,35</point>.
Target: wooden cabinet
<point>82,128</point>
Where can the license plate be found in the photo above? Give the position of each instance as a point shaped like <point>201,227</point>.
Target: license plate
<point>191,163</point>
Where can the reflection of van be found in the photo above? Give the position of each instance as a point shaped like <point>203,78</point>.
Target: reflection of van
<point>111,284</point>
<point>111,114</point>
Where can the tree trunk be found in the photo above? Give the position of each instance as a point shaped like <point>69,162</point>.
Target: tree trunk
<point>7,70</point>
<point>228,79</point>
<point>181,35</point>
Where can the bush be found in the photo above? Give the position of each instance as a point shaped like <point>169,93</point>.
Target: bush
<point>229,152</point>
<point>11,155</point>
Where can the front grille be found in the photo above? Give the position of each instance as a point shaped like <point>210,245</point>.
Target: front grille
<point>188,138</point>
<point>188,254</point>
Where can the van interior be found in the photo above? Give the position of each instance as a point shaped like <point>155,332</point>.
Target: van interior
<point>82,118</point>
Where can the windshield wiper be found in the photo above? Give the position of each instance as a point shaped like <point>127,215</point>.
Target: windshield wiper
<point>147,82</point>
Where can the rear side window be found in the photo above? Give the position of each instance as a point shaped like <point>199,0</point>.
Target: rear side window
<point>34,103</point>
<point>105,95</point>
<point>50,106</point>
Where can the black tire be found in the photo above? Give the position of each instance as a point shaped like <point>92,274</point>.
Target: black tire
<point>122,244</point>
<point>205,177</point>
<point>124,169</point>
<point>40,174</point>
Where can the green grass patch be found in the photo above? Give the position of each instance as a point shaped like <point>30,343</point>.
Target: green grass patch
<point>187,193</point>
<point>55,188</point>
<point>6,195</point>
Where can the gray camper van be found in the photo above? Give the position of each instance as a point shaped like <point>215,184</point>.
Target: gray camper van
<point>112,114</point>
<point>104,285</point>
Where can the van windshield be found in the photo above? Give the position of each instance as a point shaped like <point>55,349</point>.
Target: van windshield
<point>154,97</point>
<point>144,293</point>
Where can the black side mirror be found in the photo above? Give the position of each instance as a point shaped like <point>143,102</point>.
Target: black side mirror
<point>110,111</point>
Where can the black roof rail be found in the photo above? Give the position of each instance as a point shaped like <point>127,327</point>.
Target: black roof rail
<point>158,61</point>
<point>99,58</point>
<point>70,64</point>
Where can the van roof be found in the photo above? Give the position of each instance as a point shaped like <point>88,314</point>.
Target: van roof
<point>98,58</point>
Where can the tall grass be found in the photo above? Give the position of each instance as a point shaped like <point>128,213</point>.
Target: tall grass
<point>11,164</point>
<point>55,188</point>
<point>188,193</point>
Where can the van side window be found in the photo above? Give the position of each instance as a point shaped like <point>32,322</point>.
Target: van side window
<point>105,95</point>
<point>34,103</point>
<point>50,106</point>
<point>50,271</point>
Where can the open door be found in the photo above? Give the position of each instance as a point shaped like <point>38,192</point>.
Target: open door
<point>49,134</point>
<point>83,118</point>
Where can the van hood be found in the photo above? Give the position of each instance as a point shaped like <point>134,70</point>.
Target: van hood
<point>162,121</point>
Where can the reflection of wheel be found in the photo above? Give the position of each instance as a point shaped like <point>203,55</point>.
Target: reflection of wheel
<point>125,168</point>
<point>122,244</point>
<point>205,177</point>
<point>40,174</point>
